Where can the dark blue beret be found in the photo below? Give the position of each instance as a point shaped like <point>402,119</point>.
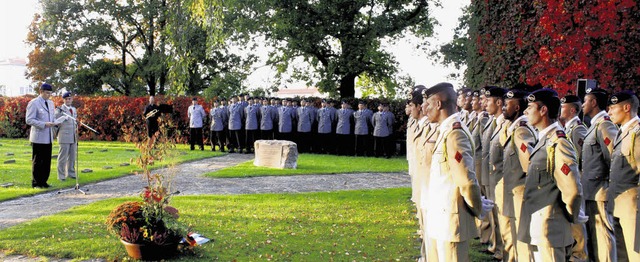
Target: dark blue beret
<point>495,92</point>
<point>66,94</point>
<point>570,99</point>
<point>621,97</point>
<point>545,96</point>
<point>46,87</point>
<point>416,94</point>
<point>515,93</point>
<point>440,87</point>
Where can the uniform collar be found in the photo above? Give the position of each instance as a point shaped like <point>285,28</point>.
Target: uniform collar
<point>422,120</point>
<point>597,117</point>
<point>544,132</point>
<point>629,124</point>
<point>574,121</point>
<point>517,123</point>
<point>448,122</point>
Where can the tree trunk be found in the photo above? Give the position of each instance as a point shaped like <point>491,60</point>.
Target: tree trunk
<point>347,86</point>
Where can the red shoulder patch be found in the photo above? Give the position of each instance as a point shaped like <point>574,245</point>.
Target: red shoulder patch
<point>565,169</point>
<point>523,123</point>
<point>458,156</point>
<point>607,141</point>
<point>561,133</point>
<point>457,125</point>
<point>523,147</point>
<point>580,141</point>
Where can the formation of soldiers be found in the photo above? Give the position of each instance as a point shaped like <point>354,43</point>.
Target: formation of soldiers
<point>236,125</point>
<point>519,169</point>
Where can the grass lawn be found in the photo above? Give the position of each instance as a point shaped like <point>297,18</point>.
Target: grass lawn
<point>102,154</point>
<point>334,226</point>
<point>318,164</point>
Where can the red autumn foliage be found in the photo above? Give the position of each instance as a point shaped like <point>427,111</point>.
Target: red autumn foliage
<point>116,118</point>
<point>555,42</point>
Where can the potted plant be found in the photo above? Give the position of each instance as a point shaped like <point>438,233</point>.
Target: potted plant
<point>149,229</point>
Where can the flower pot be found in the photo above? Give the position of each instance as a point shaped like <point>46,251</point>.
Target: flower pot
<point>150,251</point>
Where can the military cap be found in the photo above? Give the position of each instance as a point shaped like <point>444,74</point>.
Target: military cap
<point>46,87</point>
<point>362,102</point>
<point>601,95</point>
<point>194,98</point>
<point>476,93</point>
<point>416,94</point>
<point>464,92</point>
<point>621,97</point>
<point>495,91</point>
<point>570,99</point>
<point>66,94</point>
<point>440,87</point>
<point>546,96</point>
<point>515,93</point>
<point>345,102</point>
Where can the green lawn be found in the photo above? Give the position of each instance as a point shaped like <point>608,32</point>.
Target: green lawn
<point>19,173</point>
<point>334,226</point>
<point>318,164</point>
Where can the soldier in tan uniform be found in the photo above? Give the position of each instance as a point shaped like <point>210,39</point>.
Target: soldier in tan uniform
<point>461,102</point>
<point>477,127</point>
<point>570,107</point>
<point>623,193</point>
<point>520,140</point>
<point>552,191</point>
<point>496,187</point>
<point>596,162</point>
<point>67,138</point>
<point>453,193</point>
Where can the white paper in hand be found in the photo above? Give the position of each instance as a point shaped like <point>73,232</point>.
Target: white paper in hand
<point>487,206</point>
<point>61,119</point>
<point>582,218</point>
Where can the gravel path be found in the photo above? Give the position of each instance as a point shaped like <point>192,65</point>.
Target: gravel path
<point>189,182</point>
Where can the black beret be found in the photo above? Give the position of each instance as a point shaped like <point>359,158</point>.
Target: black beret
<point>601,95</point>
<point>621,97</point>
<point>194,98</point>
<point>66,94</point>
<point>495,92</point>
<point>464,91</point>
<point>362,102</point>
<point>476,93</point>
<point>46,87</point>
<point>516,93</point>
<point>570,99</point>
<point>345,102</point>
<point>416,94</point>
<point>440,87</point>
<point>546,96</point>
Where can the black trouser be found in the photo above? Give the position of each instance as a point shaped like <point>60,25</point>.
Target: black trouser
<point>217,138</point>
<point>381,145</point>
<point>234,140</point>
<point>344,145</point>
<point>285,136</point>
<point>41,163</point>
<point>363,143</point>
<point>267,134</point>
<point>152,127</point>
<point>303,142</point>
<point>325,143</point>
<point>250,138</point>
<point>196,137</point>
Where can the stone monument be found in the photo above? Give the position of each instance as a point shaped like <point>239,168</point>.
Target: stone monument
<point>276,153</point>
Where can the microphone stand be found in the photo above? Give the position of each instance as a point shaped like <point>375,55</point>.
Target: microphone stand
<point>77,187</point>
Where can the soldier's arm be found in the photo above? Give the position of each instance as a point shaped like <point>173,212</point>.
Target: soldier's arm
<point>567,178</point>
<point>607,132</point>
<point>636,151</point>
<point>524,140</point>
<point>460,161</point>
<point>577,138</point>
<point>31,116</point>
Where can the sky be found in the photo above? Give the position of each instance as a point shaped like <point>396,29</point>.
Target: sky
<point>16,15</point>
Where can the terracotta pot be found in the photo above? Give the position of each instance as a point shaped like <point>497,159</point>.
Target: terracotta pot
<point>149,251</point>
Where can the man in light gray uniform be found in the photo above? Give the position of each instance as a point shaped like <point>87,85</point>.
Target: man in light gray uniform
<point>382,131</point>
<point>236,119</point>
<point>252,123</point>
<point>219,120</point>
<point>363,127</point>
<point>268,116</point>
<point>344,130</point>
<point>326,119</point>
<point>286,117</point>
<point>305,121</point>
<point>67,138</point>
<point>197,115</point>
<point>40,117</point>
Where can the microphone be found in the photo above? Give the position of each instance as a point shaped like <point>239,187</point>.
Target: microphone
<point>88,127</point>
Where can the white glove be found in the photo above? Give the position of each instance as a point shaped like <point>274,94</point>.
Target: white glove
<point>582,218</point>
<point>487,206</point>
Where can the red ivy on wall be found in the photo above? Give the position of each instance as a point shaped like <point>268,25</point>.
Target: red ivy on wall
<point>556,42</point>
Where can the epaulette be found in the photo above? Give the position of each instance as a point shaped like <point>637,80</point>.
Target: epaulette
<point>607,118</point>
<point>579,122</point>
<point>457,125</point>
<point>561,134</point>
<point>523,123</point>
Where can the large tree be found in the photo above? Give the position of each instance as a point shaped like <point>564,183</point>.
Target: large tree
<point>339,39</point>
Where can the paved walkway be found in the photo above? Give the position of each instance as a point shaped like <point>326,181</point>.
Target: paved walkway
<point>189,182</point>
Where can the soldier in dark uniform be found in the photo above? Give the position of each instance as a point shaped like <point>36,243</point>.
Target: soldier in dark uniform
<point>151,114</point>
<point>624,190</point>
<point>576,131</point>
<point>596,162</point>
<point>552,191</point>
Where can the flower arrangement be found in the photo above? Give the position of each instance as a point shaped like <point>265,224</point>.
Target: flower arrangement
<point>151,221</point>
